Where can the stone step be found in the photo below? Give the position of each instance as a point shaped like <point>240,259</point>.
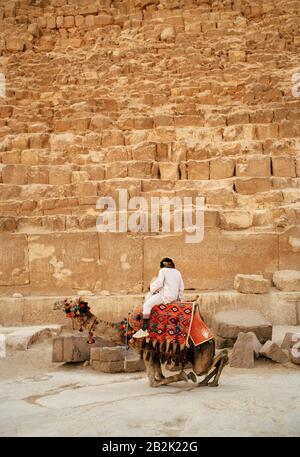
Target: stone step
<point>21,338</point>
<point>279,308</point>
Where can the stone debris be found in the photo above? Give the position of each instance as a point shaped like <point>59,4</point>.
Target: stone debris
<point>287,280</point>
<point>115,360</point>
<point>251,284</point>
<point>21,338</point>
<point>291,343</point>
<point>272,351</point>
<point>242,355</point>
<point>229,323</point>
<point>75,348</point>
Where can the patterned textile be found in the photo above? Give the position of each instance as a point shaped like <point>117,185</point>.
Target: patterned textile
<point>170,326</point>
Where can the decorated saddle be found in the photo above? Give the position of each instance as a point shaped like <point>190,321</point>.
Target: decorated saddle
<point>172,326</point>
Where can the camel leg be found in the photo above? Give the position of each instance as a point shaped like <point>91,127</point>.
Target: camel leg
<point>159,374</point>
<point>182,376</point>
<point>221,365</point>
<point>219,362</point>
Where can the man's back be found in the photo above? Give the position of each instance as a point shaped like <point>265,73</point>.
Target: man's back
<point>169,284</point>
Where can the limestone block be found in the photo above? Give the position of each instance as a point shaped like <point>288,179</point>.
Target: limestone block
<point>22,338</point>
<point>108,354</point>
<point>251,284</point>
<point>100,122</point>
<point>215,261</point>
<point>79,20</point>
<point>284,166</point>
<point>121,253</point>
<point>96,172</point>
<point>140,169</point>
<point>59,176</point>
<point>13,260</point>
<point>133,362</point>
<point>108,367</point>
<point>14,174</point>
<point>272,351</point>
<point>222,168</point>
<point>37,175</point>
<point>229,323</point>
<point>78,176</point>
<point>30,157</point>
<point>287,280</point>
<point>64,261</point>
<point>74,348</point>
<point>252,185</point>
<point>142,123</point>
<point>198,169</point>
<point>102,20</point>
<point>90,20</point>
<point>298,167</point>
<point>235,220</point>
<point>253,166</point>
<point>144,151</point>
<point>242,355</point>
<point>289,340</point>
<point>20,142</point>
<point>15,45</point>
<point>116,170</point>
<point>168,170</point>
<point>113,138</point>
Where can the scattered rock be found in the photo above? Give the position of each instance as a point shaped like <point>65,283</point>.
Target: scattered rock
<point>22,338</point>
<point>251,284</point>
<point>133,362</point>
<point>256,344</point>
<point>75,348</point>
<point>229,323</point>
<point>287,280</point>
<point>289,340</point>
<point>242,355</point>
<point>272,351</point>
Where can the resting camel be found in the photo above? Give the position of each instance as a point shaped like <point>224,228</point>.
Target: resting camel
<point>200,360</point>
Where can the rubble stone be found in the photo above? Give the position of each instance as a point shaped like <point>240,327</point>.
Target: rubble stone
<point>251,284</point>
<point>272,351</point>
<point>287,280</point>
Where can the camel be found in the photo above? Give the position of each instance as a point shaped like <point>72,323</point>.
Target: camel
<point>201,360</point>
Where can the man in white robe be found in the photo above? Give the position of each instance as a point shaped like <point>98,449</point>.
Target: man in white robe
<point>166,288</point>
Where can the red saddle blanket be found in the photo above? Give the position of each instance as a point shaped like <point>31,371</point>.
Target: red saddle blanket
<point>174,323</point>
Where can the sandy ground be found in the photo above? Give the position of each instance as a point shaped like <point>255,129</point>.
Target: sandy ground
<point>40,398</point>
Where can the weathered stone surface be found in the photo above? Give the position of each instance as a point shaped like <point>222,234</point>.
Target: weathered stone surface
<point>133,362</point>
<point>75,348</point>
<point>229,323</point>
<point>61,260</point>
<point>242,355</point>
<point>289,340</point>
<point>23,337</point>
<point>14,266</point>
<point>251,284</point>
<point>108,354</point>
<point>108,367</point>
<point>235,220</point>
<point>272,351</point>
<point>287,280</point>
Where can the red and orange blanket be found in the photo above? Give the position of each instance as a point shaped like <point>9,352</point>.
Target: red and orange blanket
<point>171,326</point>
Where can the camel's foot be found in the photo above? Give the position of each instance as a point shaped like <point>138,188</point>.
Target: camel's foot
<point>213,384</point>
<point>203,383</point>
<point>192,376</point>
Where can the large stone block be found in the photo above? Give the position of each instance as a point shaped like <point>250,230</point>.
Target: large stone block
<point>222,168</point>
<point>272,351</point>
<point>251,284</point>
<point>168,170</point>
<point>108,354</point>
<point>252,185</point>
<point>284,166</point>
<point>254,166</point>
<point>64,261</point>
<point>213,262</point>
<point>229,323</point>
<point>242,355</point>
<point>198,169</point>
<point>121,257</point>
<point>14,174</point>
<point>14,266</point>
<point>235,220</point>
<point>75,348</point>
<point>287,280</point>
